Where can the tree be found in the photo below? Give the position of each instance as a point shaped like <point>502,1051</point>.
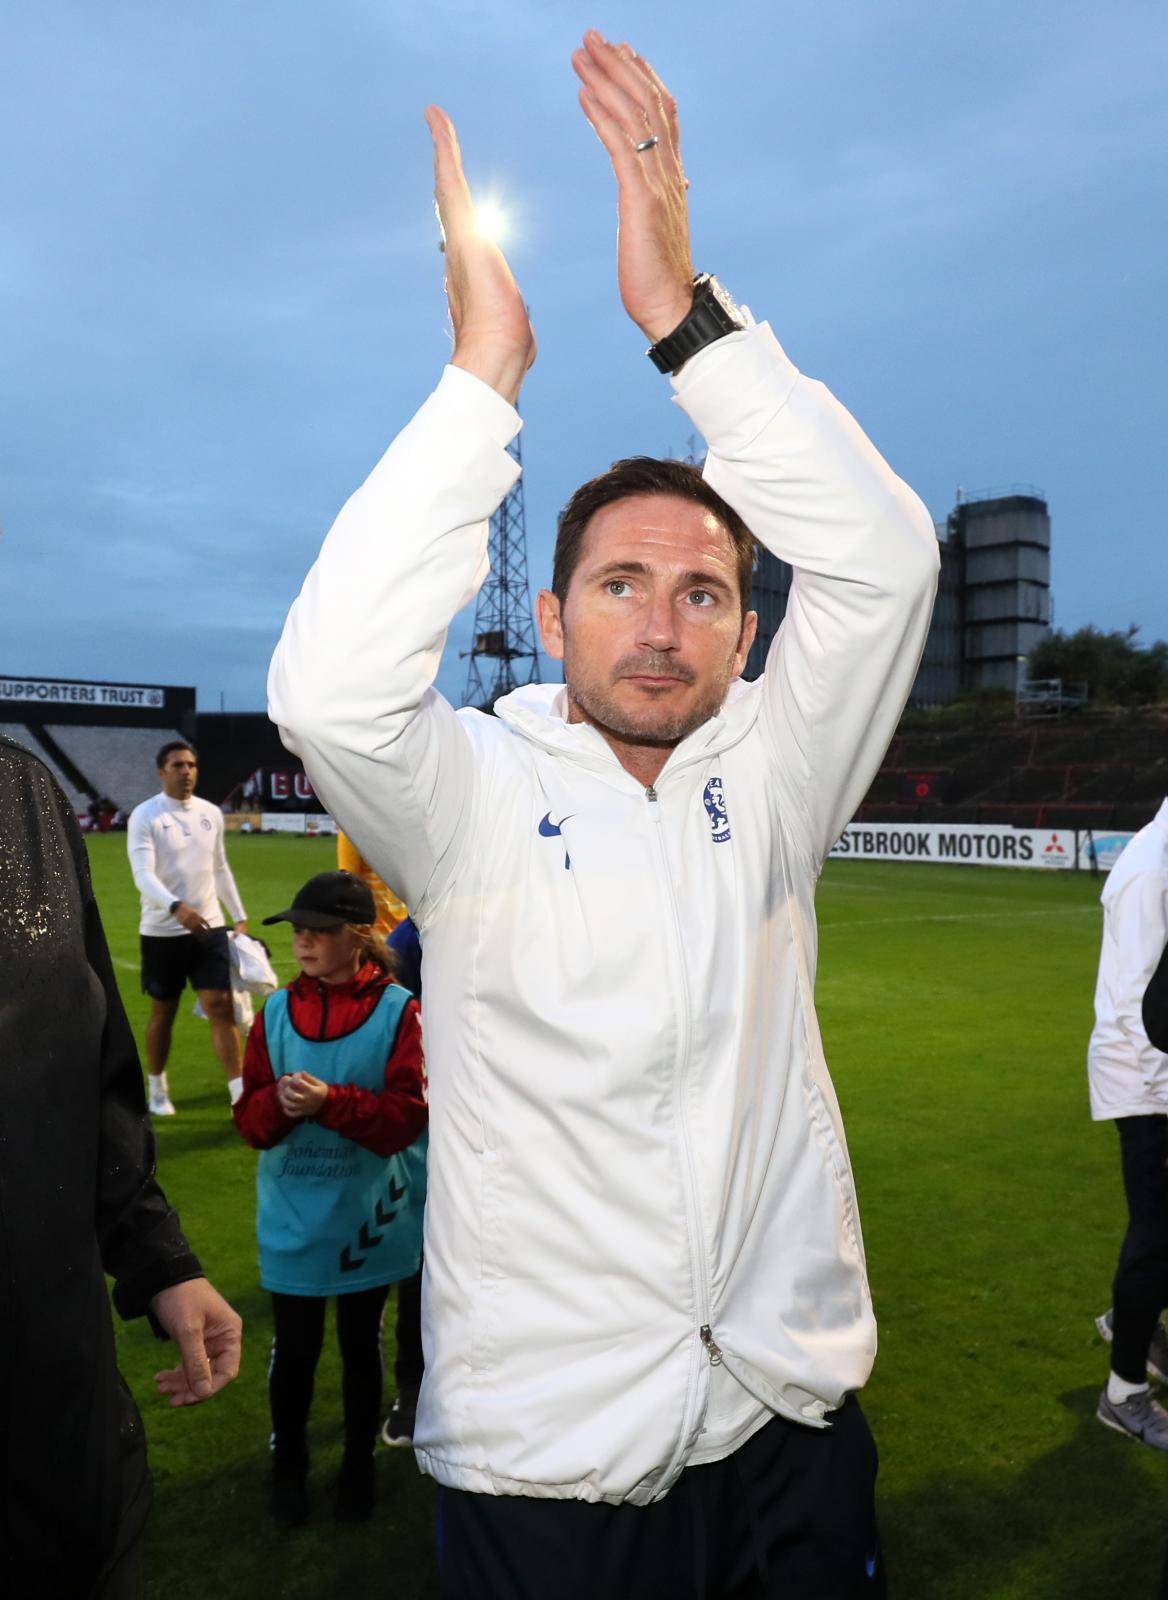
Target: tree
<point>1115,667</point>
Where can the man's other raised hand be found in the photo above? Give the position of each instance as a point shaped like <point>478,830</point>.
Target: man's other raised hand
<point>493,336</point>
<point>626,103</point>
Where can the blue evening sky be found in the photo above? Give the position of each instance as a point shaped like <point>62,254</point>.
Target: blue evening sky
<point>221,295</point>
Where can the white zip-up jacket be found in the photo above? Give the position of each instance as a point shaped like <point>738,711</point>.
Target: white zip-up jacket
<point>641,1229</point>
<point>1126,1074</point>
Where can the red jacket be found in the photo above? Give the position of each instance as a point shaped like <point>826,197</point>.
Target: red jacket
<point>385,1122</point>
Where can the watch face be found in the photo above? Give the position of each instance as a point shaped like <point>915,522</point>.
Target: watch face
<point>718,293</point>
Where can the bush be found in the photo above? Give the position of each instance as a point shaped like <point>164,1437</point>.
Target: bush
<point>1117,670</point>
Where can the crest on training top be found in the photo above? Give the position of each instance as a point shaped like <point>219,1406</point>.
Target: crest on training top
<point>715,803</point>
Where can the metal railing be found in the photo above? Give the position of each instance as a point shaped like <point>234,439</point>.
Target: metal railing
<point>966,497</point>
<point>1048,697</point>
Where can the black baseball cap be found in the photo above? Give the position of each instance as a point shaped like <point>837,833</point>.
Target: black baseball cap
<point>328,900</point>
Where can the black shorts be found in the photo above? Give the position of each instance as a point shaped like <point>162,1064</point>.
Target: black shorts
<point>791,1513</point>
<point>201,959</point>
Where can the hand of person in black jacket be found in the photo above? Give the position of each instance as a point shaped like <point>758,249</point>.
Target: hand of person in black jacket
<point>209,1335</point>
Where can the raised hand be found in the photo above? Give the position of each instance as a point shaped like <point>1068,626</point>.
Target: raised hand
<point>493,336</point>
<point>627,104</point>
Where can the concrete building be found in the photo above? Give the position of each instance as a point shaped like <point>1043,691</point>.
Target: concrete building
<point>1004,541</point>
<point>993,597</point>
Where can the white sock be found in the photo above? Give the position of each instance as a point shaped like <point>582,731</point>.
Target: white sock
<point>234,1088</point>
<point>1119,1389</point>
<point>158,1083</point>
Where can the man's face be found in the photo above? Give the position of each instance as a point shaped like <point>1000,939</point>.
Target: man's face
<point>651,631</point>
<point>179,774</point>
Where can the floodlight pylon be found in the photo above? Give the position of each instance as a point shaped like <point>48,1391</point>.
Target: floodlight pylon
<point>504,631</point>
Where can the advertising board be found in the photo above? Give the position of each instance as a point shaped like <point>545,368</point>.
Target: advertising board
<point>1107,847</point>
<point>972,844</point>
<point>296,822</point>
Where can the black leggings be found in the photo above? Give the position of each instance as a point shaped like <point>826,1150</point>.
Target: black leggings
<point>1140,1291</point>
<point>408,1365</point>
<point>296,1348</point>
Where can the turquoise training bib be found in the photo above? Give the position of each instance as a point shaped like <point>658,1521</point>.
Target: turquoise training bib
<point>331,1216</point>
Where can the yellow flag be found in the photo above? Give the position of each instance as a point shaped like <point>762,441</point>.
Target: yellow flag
<point>390,910</point>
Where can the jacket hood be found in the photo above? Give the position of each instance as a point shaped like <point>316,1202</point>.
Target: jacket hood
<point>538,712</point>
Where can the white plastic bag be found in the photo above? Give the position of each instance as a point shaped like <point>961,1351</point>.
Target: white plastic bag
<point>252,973</point>
<point>251,965</point>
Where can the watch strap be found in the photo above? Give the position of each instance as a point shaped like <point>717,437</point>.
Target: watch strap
<point>712,316</point>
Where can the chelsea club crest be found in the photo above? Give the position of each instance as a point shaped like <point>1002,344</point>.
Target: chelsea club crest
<point>715,803</point>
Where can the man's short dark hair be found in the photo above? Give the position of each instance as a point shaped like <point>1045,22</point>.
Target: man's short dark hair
<point>638,475</point>
<point>170,748</point>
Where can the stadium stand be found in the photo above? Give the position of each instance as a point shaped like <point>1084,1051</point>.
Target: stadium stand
<point>1099,772</point>
<point>116,762</point>
<point>1150,782</point>
<point>1100,784</point>
<point>101,741</point>
<point>108,761</point>
<point>100,738</point>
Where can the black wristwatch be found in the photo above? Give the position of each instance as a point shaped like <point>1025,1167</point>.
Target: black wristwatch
<point>712,316</point>
<point>171,906</point>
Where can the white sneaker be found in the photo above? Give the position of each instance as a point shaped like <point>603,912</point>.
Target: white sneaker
<point>160,1104</point>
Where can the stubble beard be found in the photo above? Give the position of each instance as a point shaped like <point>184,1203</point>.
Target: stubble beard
<point>598,705</point>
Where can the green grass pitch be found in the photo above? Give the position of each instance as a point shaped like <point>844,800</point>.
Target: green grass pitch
<point>956,1005</point>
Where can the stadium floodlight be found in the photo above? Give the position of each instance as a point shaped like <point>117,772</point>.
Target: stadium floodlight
<point>491,220</point>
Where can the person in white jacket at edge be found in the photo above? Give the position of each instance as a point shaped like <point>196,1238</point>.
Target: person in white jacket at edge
<point>1128,1080</point>
<point>645,1306</point>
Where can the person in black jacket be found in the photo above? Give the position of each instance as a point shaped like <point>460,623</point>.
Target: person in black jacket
<point>78,1199</point>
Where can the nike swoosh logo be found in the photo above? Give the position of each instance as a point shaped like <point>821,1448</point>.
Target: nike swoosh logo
<point>549,829</point>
